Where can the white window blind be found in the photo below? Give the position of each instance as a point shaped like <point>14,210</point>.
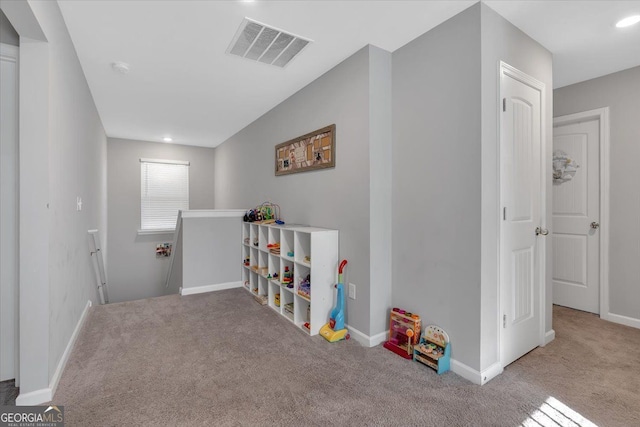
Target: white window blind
<point>164,190</point>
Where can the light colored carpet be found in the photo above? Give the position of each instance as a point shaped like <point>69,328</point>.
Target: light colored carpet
<point>222,359</point>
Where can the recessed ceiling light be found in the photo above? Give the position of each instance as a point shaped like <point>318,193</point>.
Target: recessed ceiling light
<point>121,67</point>
<point>628,21</point>
<point>167,139</point>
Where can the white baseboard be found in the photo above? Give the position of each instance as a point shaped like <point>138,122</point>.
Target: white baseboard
<point>35,397</point>
<point>365,340</point>
<point>53,384</point>
<point>46,394</point>
<point>475,376</point>
<point>549,336</point>
<point>491,372</point>
<point>465,372</point>
<point>623,320</point>
<point>209,288</point>
<point>378,338</point>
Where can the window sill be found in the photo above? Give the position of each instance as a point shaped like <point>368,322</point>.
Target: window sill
<point>151,232</point>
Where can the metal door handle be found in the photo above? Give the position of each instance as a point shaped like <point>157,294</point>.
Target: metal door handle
<point>595,225</point>
<point>541,231</point>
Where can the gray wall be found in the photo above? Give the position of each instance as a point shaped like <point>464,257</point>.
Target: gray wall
<point>62,156</point>
<point>621,93</point>
<point>77,168</point>
<point>436,180</point>
<point>211,251</point>
<point>134,272</point>
<point>8,34</point>
<point>335,198</point>
<point>445,174</point>
<point>501,41</point>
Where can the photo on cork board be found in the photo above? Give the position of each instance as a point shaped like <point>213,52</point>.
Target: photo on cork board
<point>315,150</point>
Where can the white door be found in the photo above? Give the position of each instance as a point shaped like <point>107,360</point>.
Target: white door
<point>8,212</point>
<point>522,193</point>
<point>576,215</point>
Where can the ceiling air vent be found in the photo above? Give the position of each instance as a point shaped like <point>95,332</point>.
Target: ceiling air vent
<point>262,43</point>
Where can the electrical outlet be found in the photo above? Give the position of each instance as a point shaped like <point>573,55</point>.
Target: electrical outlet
<point>78,203</point>
<point>352,291</point>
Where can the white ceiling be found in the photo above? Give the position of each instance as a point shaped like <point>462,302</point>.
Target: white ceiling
<point>183,85</point>
<point>582,35</point>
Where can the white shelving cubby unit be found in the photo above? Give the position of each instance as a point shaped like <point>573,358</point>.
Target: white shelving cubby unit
<point>306,252</point>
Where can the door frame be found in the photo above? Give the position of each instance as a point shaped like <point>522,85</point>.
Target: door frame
<point>506,70</point>
<point>602,115</point>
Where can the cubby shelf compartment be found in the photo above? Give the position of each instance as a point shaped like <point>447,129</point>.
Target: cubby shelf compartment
<point>274,237</point>
<point>302,312</point>
<point>246,233</point>
<point>274,295</point>
<point>288,305</point>
<point>274,266</point>
<point>263,238</point>
<point>245,278</point>
<point>302,248</point>
<point>253,235</point>
<point>246,256</point>
<point>305,251</point>
<point>253,282</point>
<point>286,243</point>
<point>263,264</point>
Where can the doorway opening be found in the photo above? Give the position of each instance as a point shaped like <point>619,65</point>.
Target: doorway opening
<point>581,211</point>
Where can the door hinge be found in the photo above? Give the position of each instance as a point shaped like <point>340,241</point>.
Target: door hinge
<point>504,320</point>
<point>504,104</point>
<point>504,213</point>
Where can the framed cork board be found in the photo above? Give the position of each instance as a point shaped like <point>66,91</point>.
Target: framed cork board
<point>315,150</point>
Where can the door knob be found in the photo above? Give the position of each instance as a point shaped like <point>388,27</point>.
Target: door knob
<point>595,225</point>
<point>541,231</point>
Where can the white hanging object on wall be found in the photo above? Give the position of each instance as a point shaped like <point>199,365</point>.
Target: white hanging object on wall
<point>564,167</point>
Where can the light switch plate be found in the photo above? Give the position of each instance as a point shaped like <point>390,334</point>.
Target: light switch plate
<point>352,291</point>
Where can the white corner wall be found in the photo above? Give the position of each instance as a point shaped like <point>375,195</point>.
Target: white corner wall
<point>380,177</point>
<point>502,41</point>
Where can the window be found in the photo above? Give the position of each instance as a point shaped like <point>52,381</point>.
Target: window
<point>164,191</point>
